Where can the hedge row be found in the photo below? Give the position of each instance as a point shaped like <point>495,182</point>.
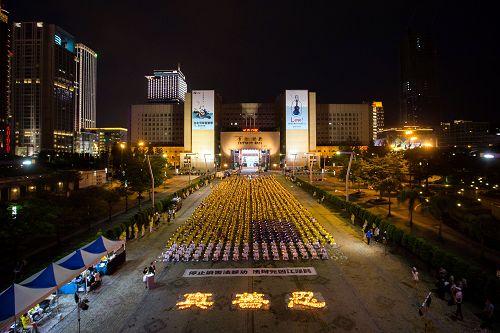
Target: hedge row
<point>480,283</point>
<point>141,220</point>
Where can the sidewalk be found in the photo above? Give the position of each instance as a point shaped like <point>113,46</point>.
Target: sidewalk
<point>123,291</point>
<point>384,279</point>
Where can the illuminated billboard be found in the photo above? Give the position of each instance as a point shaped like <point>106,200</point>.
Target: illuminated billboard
<point>297,110</point>
<point>202,110</point>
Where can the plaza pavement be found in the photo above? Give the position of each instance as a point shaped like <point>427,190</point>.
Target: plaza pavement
<point>365,290</point>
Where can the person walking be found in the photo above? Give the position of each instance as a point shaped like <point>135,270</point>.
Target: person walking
<point>414,274</point>
<point>458,301</point>
<point>368,236</point>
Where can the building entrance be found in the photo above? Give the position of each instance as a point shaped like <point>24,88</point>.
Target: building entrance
<point>249,159</point>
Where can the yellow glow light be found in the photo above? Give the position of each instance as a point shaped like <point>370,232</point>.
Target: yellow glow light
<point>304,299</point>
<point>199,300</point>
<point>409,132</point>
<point>250,301</point>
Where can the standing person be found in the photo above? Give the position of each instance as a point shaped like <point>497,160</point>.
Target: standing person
<point>458,301</point>
<point>376,234</point>
<point>368,236</point>
<point>414,274</point>
<point>152,268</point>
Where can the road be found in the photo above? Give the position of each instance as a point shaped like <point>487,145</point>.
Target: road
<point>365,290</point>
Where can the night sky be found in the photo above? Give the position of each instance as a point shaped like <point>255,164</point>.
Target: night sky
<point>250,51</point>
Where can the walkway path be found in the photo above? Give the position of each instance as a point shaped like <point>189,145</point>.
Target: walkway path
<point>121,292</point>
<point>424,225</point>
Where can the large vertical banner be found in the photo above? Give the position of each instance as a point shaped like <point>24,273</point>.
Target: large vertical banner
<point>297,110</point>
<point>203,110</point>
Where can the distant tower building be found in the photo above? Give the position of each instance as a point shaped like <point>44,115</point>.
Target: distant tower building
<point>5,112</point>
<point>377,119</point>
<point>43,79</point>
<point>85,89</point>
<point>85,100</point>
<point>419,99</point>
<point>167,86</point>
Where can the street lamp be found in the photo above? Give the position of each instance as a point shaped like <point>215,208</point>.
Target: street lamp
<point>189,177</point>
<point>205,157</point>
<point>310,163</point>
<point>351,153</point>
<point>122,146</point>
<point>293,164</point>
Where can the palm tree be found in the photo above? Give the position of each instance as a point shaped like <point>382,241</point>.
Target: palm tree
<point>388,186</point>
<point>412,196</point>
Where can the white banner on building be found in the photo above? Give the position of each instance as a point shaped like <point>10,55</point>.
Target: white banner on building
<point>226,272</point>
<point>297,107</point>
<point>203,110</point>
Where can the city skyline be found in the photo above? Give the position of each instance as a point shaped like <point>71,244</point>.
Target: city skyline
<point>251,52</point>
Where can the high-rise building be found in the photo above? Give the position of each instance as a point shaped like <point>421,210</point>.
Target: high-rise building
<point>166,86</point>
<point>157,124</point>
<point>43,79</point>
<point>419,99</point>
<point>85,100</point>
<point>85,87</point>
<point>377,119</point>
<point>343,124</point>
<point>5,111</point>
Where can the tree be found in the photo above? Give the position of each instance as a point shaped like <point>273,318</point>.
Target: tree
<point>377,169</point>
<point>124,192</point>
<point>439,206</point>
<point>412,196</point>
<point>136,173</point>
<point>87,198</point>
<point>388,186</point>
<point>483,226</point>
<point>111,197</point>
<point>356,174</point>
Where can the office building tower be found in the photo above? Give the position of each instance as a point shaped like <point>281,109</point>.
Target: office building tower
<point>377,119</point>
<point>419,99</point>
<point>157,124</point>
<point>166,86</point>
<point>43,76</point>
<point>343,124</point>
<point>85,100</point>
<point>5,110</point>
<point>85,87</point>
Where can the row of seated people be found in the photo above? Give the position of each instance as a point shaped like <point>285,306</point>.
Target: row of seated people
<point>264,251</point>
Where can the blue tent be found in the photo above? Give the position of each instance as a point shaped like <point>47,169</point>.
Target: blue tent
<point>19,298</point>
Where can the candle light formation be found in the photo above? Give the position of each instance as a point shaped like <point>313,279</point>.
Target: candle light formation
<point>304,300</point>
<point>250,301</point>
<point>200,300</point>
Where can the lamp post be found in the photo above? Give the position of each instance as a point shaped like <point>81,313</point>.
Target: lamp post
<point>351,153</point>
<point>293,165</point>
<point>205,157</point>
<point>310,163</point>
<point>122,146</point>
<point>189,177</point>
